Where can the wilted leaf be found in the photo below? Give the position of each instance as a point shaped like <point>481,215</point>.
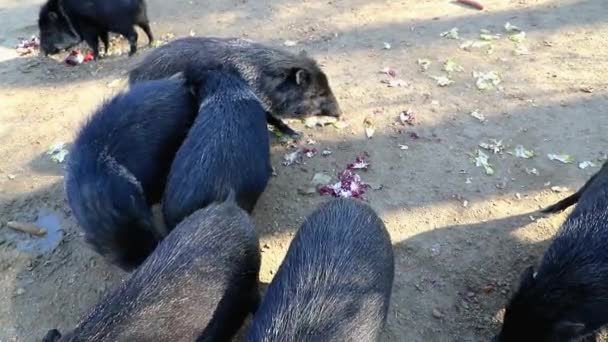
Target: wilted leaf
<point>493,145</point>
<point>488,36</point>
<point>511,28</point>
<point>532,171</point>
<point>559,189</point>
<point>480,159</point>
<point>522,152</point>
<point>564,158</point>
<point>469,44</point>
<point>424,63</point>
<point>58,152</point>
<point>442,81</point>
<point>451,34</point>
<point>450,65</point>
<point>585,164</point>
<point>487,80</point>
<point>518,37</point>
<point>478,116</point>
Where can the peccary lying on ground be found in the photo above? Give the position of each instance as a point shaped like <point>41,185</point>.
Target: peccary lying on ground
<point>289,85</point>
<point>335,282</point>
<point>198,285</point>
<point>598,181</point>
<point>119,163</point>
<point>227,147</point>
<point>65,23</point>
<point>567,298</point>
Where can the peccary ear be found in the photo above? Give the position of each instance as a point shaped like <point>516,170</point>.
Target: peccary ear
<point>527,278</point>
<point>569,328</point>
<point>52,336</point>
<point>53,16</point>
<point>301,76</point>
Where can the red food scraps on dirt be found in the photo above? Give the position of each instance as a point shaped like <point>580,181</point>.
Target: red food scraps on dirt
<point>361,163</point>
<point>76,57</point>
<point>349,185</point>
<point>27,46</point>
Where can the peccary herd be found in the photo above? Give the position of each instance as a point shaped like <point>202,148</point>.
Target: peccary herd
<point>190,133</point>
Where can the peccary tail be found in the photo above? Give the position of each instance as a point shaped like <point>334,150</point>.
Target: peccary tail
<point>563,204</point>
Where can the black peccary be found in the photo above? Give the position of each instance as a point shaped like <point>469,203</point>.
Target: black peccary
<point>199,284</point>
<point>597,181</point>
<point>335,282</point>
<point>567,298</point>
<point>118,166</point>
<point>65,23</point>
<point>227,147</point>
<point>289,85</point>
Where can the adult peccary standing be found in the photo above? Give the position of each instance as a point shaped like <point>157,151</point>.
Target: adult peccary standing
<point>335,282</point>
<point>200,284</point>
<point>567,298</point>
<point>227,147</point>
<point>118,165</point>
<point>289,85</point>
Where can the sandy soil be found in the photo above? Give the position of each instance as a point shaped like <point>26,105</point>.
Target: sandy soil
<point>461,237</point>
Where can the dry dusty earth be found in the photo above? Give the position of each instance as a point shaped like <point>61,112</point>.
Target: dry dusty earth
<point>461,237</point>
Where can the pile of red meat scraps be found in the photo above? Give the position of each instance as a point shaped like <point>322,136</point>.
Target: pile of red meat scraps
<point>76,57</point>
<point>27,46</point>
<point>349,183</point>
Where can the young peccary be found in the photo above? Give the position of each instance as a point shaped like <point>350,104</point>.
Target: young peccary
<point>289,85</point>
<point>597,181</point>
<point>335,282</point>
<point>226,149</point>
<point>568,297</point>
<point>198,285</point>
<point>65,23</point>
<point>119,163</point>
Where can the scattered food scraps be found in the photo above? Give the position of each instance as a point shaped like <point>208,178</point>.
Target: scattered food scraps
<point>469,44</point>
<point>310,152</point>
<point>403,147</point>
<point>493,145</point>
<point>486,80</point>
<point>451,34</point>
<point>518,37</point>
<point>11,176</point>
<point>407,117</point>
<point>480,159</point>
<point>314,121</point>
<point>442,81</point>
<point>585,164</point>
<point>386,46</point>
<point>389,71</point>
<point>290,43</point>
<point>370,128</point>
<point>27,46</point>
<point>291,158</point>
<point>471,3</point>
<point>395,83</point>
<point>522,152</point>
<point>424,63</point>
<point>58,152</point>
<point>28,228</point>
<point>487,36</point>
<point>450,65</point>
<point>326,153</point>
<point>340,125</point>
<point>478,116</point>
<point>559,189</point>
<point>564,158</point>
<point>361,163</point>
<point>532,171</point>
<point>349,185</point>
<point>510,28</point>
<point>587,89</point>
<point>76,57</point>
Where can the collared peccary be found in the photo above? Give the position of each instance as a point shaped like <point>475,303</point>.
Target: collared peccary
<point>65,23</point>
<point>289,85</point>
<point>118,166</point>
<point>335,282</point>
<point>568,297</point>
<point>198,285</point>
<point>597,181</point>
<point>227,148</point>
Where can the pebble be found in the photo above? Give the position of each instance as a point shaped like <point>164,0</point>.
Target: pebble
<point>437,314</point>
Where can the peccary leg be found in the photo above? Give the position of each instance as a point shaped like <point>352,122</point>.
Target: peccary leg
<point>281,126</point>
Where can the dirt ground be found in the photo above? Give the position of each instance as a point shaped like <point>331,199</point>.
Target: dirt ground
<point>461,237</point>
